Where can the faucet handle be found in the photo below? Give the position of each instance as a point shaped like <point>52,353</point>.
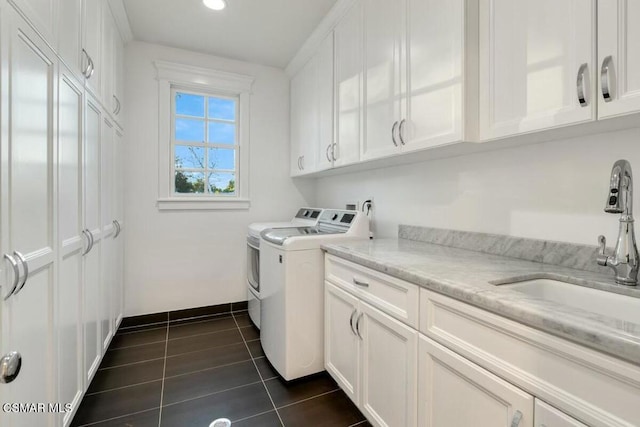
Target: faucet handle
<point>602,247</point>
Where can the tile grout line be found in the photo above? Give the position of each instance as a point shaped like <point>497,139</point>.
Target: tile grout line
<point>211,394</point>
<point>308,398</point>
<point>164,369</point>
<point>259,374</point>
<point>118,417</point>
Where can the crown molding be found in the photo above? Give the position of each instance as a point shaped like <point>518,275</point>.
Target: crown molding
<point>122,20</point>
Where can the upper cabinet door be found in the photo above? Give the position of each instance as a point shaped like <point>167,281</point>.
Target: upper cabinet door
<point>536,65</point>
<point>70,34</point>
<point>326,144</point>
<point>348,80</point>
<point>618,57</point>
<point>42,15</point>
<point>92,44</point>
<point>382,46</point>
<point>304,119</point>
<point>434,60</point>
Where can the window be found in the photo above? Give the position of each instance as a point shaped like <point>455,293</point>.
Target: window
<point>204,144</point>
<point>203,138</point>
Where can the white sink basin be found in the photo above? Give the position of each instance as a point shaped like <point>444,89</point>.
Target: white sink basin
<point>609,304</point>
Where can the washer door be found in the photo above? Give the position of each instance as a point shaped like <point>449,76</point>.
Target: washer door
<point>253,267</point>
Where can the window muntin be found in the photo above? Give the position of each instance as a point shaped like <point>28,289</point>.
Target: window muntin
<point>204,144</point>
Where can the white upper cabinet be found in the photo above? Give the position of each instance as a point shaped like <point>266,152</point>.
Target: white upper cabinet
<point>92,45</point>
<point>414,52</point>
<point>70,35</point>
<point>433,58</point>
<point>618,72</point>
<point>383,21</point>
<point>348,81</point>
<point>536,65</point>
<point>304,123</point>
<point>326,139</point>
<point>42,14</point>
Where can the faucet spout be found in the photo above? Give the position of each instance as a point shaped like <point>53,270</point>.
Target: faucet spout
<point>625,259</point>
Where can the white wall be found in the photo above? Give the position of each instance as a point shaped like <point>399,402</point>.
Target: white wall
<point>187,259</point>
<point>554,190</point>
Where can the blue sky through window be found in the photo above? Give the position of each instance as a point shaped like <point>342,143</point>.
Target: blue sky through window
<point>224,109</point>
<point>189,105</point>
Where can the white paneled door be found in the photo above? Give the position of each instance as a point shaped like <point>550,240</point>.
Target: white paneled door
<point>348,80</point>
<point>537,60</point>
<point>618,57</point>
<point>92,232</point>
<point>28,215</point>
<point>341,343</point>
<point>481,398</point>
<point>384,27</point>
<point>433,58</point>
<point>107,232</point>
<point>71,242</point>
<point>389,369</point>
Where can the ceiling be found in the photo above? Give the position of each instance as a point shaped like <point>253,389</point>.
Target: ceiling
<point>268,32</point>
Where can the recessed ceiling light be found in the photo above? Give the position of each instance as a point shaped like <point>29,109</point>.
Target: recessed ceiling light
<point>215,4</point>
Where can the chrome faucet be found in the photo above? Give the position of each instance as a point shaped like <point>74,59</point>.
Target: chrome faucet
<point>625,258</point>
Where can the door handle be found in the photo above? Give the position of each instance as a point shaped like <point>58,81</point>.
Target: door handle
<point>333,151</point>
<point>517,417</point>
<point>10,365</point>
<point>400,130</point>
<point>351,322</point>
<point>25,267</point>
<point>580,84</point>
<point>605,80</point>
<point>327,152</point>
<point>393,133</point>
<point>358,325</point>
<point>359,283</point>
<point>16,275</point>
<point>86,70</point>
<point>86,234</point>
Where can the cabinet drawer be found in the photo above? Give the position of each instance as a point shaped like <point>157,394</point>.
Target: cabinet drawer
<point>597,389</point>
<point>395,297</point>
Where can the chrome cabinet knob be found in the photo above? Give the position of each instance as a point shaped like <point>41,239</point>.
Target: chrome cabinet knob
<point>10,365</point>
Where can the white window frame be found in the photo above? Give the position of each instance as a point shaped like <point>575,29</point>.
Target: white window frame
<point>177,77</point>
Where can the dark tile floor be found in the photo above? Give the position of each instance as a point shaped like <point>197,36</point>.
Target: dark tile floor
<point>189,372</point>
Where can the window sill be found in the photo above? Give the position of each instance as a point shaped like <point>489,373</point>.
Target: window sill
<point>185,204</point>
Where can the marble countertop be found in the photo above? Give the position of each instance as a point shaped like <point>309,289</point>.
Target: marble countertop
<point>471,276</point>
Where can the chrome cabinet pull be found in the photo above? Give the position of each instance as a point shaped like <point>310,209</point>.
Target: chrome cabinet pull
<point>115,109</point>
<point>86,70</point>
<point>358,326</point>
<point>605,81</point>
<point>517,417</point>
<point>302,161</point>
<point>93,68</point>
<point>16,275</point>
<point>351,321</point>
<point>10,365</point>
<point>580,85</point>
<point>359,283</point>
<point>91,240</point>
<point>86,234</point>
<point>25,267</point>
<point>400,130</point>
<point>333,151</point>
<point>327,152</point>
<point>393,133</point>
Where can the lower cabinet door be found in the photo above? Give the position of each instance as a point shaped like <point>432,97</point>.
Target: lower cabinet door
<point>341,358</point>
<point>389,369</point>
<point>548,416</point>
<point>453,391</point>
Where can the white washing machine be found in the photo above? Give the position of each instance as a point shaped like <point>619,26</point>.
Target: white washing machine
<point>292,290</point>
<point>304,217</point>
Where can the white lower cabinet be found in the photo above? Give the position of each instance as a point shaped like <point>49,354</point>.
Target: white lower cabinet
<point>453,391</point>
<point>388,368</point>
<point>341,344</point>
<point>372,357</point>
